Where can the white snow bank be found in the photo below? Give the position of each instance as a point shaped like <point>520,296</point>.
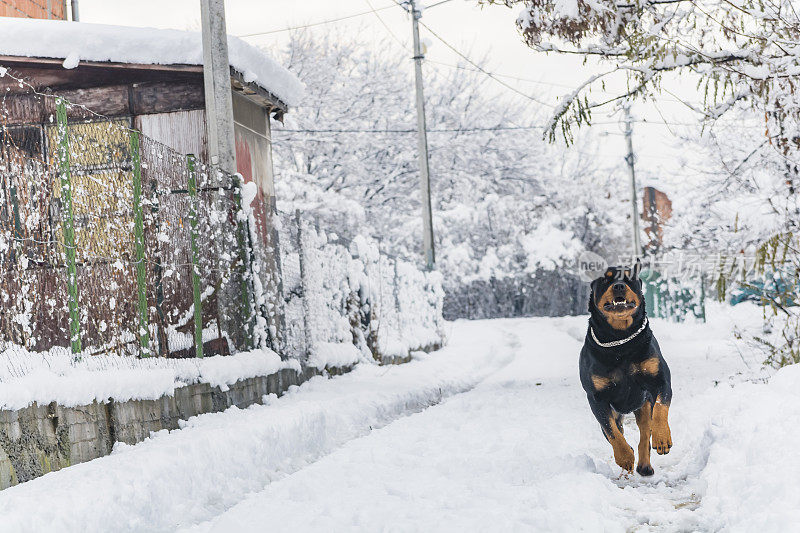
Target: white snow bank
<point>404,304</point>
<point>747,459</point>
<point>180,478</point>
<point>331,354</point>
<point>79,41</point>
<point>27,377</point>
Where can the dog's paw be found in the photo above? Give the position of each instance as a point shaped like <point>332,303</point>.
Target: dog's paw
<point>662,440</point>
<point>623,456</point>
<point>644,470</point>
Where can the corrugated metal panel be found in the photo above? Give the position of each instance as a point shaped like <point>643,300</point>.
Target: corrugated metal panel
<point>183,131</point>
<point>253,159</point>
<point>249,114</point>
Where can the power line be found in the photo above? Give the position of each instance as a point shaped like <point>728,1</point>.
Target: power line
<point>386,26</point>
<point>490,128</point>
<point>507,76</point>
<point>481,69</point>
<point>320,23</point>
<point>437,130</point>
<point>471,62</point>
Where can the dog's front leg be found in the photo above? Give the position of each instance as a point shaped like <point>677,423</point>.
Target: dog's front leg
<point>644,421</point>
<point>611,423</point>
<point>662,437</point>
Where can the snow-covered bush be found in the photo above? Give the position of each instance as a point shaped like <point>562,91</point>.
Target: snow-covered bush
<point>346,301</point>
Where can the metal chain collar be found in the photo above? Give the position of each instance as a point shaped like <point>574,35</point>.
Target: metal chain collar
<point>619,342</point>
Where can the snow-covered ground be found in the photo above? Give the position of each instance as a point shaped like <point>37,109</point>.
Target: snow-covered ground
<point>492,433</point>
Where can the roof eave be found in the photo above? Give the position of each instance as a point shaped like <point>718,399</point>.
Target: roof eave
<point>251,90</point>
<point>259,95</point>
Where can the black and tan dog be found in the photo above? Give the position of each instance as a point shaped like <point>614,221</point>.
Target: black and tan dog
<point>622,369</point>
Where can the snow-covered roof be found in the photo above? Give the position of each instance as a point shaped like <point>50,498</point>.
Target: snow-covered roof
<point>78,41</point>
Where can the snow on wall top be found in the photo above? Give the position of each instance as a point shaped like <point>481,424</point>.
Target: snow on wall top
<point>79,41</point>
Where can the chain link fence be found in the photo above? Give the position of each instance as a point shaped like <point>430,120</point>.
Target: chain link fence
<point>112,243</point>
<point>100,232</point>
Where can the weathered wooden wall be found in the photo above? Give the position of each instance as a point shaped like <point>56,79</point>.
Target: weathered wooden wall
<point>110,101</point>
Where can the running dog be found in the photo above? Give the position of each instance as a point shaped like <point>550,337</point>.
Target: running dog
<point>622,369</point>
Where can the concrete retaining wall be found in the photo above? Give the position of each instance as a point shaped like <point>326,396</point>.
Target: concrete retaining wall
<point>43,438</point>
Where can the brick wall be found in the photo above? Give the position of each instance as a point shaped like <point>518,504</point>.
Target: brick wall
<point>35,9</point>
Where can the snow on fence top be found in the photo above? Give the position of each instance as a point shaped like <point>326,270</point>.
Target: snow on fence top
<point>77,41</point>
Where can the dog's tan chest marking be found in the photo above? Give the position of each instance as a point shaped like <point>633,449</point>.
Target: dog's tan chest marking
<point>600,382</point>
<point>603,382</point>
<point>648,366</point>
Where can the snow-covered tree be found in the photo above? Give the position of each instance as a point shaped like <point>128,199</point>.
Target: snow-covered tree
<point>505,203</point>
<point>742,50</point>
<point>743,57</point>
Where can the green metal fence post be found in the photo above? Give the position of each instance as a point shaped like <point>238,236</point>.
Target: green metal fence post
<point>193,214</point>
<point>68,226</point>
<point>138,232</point>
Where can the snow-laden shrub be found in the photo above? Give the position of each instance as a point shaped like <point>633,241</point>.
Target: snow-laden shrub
<point>346,301</point>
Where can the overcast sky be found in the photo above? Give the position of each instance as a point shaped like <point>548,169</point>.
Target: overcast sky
<point>487,32</point>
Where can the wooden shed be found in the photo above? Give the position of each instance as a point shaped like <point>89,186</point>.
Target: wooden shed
<point>150,80</point>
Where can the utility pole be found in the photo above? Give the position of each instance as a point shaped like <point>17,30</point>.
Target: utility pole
<point>75,11</point>
<point>637,245</point>
<point>221,151</point>
<point>217,80</point>
<point>425,182</point>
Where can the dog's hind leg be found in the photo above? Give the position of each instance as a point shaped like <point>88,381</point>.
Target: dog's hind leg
<point>643,420</point>
<point>608,418</point>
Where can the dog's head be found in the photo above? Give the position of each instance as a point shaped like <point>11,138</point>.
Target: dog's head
<point>617,296</point>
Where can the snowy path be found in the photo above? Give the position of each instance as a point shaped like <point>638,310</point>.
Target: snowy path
<point>511,446</point>
<point>520,452</point>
